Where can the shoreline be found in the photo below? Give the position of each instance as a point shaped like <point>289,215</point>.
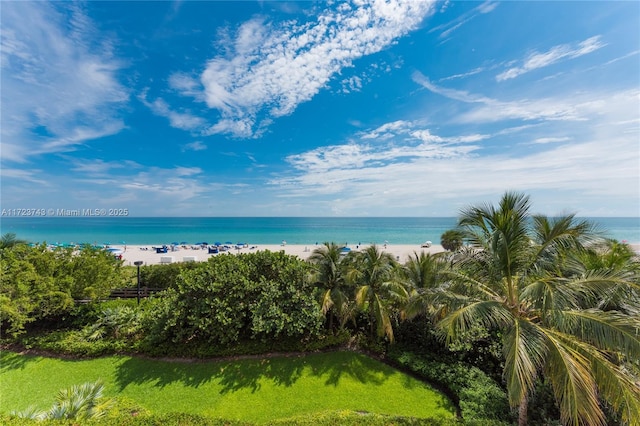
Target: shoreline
<point>147,254</point>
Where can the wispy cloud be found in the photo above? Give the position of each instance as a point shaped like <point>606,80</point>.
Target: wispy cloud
<point>463,75</point>
<point>492,110</point>
<point>448,28</point>
<point>23,175</point>
<point>59,80</point>
<point>179,120</point>
<point>557,53</point>
<point>392,143</point>
<point>195,146</point>
<point>428,184</point>
<point>98,167</point>
<point>270,68</point>
<point>551,140</point>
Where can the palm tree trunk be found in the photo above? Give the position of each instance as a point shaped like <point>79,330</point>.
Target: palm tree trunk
<point>522,411</point>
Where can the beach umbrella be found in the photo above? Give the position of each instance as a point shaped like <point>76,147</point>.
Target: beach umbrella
<point>184,243</point>
<point>175,243</point>
<point>217,243</point>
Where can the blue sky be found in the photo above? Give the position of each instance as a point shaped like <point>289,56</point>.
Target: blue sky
<point>383,108</point>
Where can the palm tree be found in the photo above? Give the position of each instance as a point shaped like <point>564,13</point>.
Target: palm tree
<point>451,240</point>
<point>328,277</point>
<point>9,240</point>
<point>379,288</point>
<point>524,278</point>
<point>422,274</point>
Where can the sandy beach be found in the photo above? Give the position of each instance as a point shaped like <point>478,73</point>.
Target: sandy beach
<point>148,255</point>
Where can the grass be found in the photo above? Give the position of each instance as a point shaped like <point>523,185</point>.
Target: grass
<point>254,390</point>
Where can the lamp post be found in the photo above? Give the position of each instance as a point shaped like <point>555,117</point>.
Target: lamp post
<point>138,263</point>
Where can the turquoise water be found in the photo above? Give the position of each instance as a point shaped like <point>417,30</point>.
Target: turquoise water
<point>258,230</point>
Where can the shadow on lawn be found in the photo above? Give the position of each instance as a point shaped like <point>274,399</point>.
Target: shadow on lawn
<point>250,373</point>
<point>15,361</point>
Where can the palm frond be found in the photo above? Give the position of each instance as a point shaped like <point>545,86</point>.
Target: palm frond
<point>573,384</point>
<point>609,331</point>
<point>548,294</point>
<point>470,283</point>
<point>524,352</point>
<point>383,318</point>
<point>326,301</point>
<point>30,413</point>
<point>490,314</point>
<point>593,286</point>
<point>616,385</point>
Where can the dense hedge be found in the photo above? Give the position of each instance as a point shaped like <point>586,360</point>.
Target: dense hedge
<point>331,418</point>
<point>164,276</point>
<point>41,284</point>
<point>231,299</point>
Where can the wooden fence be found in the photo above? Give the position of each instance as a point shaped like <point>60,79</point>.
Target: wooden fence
<point>132,293</point>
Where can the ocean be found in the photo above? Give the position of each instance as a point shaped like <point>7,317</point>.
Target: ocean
<point>256,230</point>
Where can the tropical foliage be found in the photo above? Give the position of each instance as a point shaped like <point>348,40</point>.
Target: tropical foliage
<point>380,291</point>
<point>80,402</point>
<point>544,305</point>
<point>39,283</point>
<point>334,292</point>
<point>9,240</point>
<point>527,278</point>
<point>230,299</point>
<point>452,240</point>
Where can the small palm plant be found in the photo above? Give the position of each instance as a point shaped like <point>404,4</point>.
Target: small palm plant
<point>79,402</point>
<point>116,323</point>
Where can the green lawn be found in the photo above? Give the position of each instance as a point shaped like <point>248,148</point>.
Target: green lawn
<point>255,390</point>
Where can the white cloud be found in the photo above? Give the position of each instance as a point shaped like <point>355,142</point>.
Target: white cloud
<point>555,54</point>
<point>98,167</point>
<point>561,108</point>
<point>551,140</point>
<point>270,69</point>
<point>463,75</point>
<point>592,172</point>
<point>23,175</point>
<point>398,142</point>
<point>179,120</point>
<point>195,146</point>
<point>45,107</point>
<point>352,84</point>
<point>449,27</point>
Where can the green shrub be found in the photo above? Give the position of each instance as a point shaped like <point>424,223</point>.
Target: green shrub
<point>229,299</point>
<point>477,395</point>
<point>351,418</point>
<point>40,284</point>
<point>331,418</point>
<point>74,342</point>
<point>164,276</point>
<point>177,419</point>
